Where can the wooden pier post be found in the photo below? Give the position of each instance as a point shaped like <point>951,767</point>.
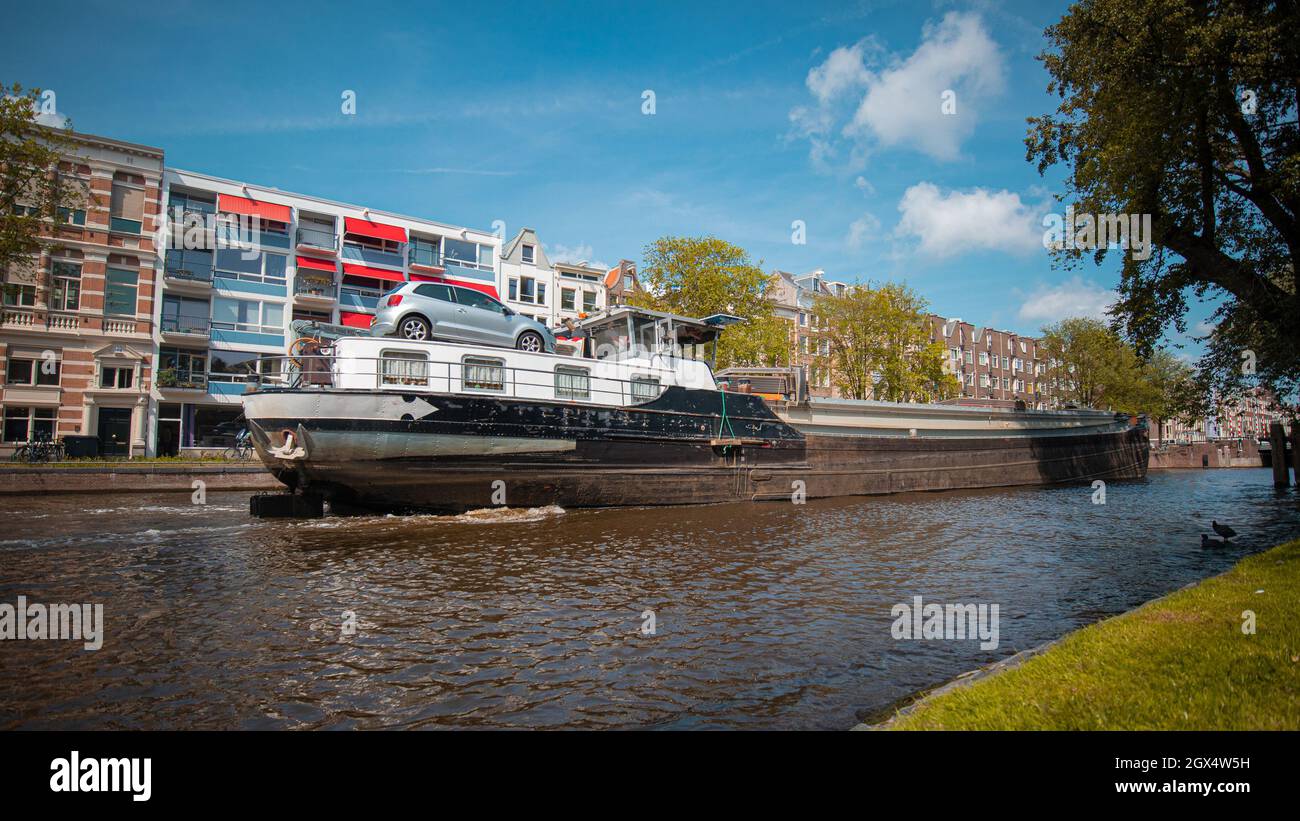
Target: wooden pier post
<point>1277,438</point>
<point>1295,449</point>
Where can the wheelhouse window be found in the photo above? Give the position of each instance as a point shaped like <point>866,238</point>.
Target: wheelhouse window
<point>572,383</point>
<point>645,388</point>
<point>483,373</point>
<point>404,368</point>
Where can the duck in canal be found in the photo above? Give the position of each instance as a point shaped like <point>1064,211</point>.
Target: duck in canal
<point>1223,530</point>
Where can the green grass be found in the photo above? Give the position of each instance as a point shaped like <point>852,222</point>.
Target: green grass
<point>1178,663</point>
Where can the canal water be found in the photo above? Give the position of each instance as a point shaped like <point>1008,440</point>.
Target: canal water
<point>751,616</point>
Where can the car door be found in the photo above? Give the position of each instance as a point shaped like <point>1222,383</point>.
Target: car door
<point>438,305</point>
<point>488,319</point>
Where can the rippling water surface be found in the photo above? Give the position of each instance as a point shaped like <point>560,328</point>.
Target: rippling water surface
<point>766,615</point>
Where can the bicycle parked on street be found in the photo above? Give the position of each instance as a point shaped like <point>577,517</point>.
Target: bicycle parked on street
<point>41,448</point>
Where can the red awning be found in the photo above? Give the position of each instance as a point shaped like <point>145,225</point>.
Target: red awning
<point>425,278</point>
<point>373,273</point>
<point>354,320</point>
<point>376,230</point>
<point>490,290</point>
<point>266,210</point>
<point>317,264</point>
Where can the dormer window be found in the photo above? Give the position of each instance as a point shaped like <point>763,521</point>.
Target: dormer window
<point>528,254</point>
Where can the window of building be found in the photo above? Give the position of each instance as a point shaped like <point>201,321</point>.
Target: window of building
<point>190,263</point>
<point>19,296</point>
<point>970,357</point>
<point>311,316</point>
<point>43,371</point>
<point>26,424</point>
<point>247,315</point>
<point>181,368</point>
<point>984,358</point>
<point>468,254</point>
<point>588,301</point>
<point>126,207</point>
<point>483,373</point>
<point>568,299</point>
<point>234,263</point>
<point>118,377</point>
<point>572,383</point>
<point>184,316</point>
<point>404,368</point>
<point>66,279</point>
<point>528,254</point>
<point>424,252</point>
<point>645,388</point>
<point>120,291</point>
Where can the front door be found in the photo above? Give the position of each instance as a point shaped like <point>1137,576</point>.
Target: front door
<point>115,431</point>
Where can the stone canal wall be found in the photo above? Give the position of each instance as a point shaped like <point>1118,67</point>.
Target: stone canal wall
<point>1234,454</point>
<point>127,478</point>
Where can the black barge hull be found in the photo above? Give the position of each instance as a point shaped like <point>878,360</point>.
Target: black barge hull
<point>450,454</point>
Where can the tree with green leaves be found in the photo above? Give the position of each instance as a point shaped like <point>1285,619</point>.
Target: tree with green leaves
<point>1186,111</point>
<point>879,345</point>
<point>700,276</point>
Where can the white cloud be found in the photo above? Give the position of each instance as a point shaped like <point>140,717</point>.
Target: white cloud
<point>861,230</point>
<point>1069,299</point>
<point>957,222</point>
<point>580,253</point>
<point>901,105</point>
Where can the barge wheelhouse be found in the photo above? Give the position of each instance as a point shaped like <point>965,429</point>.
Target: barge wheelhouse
<point>632,416</point>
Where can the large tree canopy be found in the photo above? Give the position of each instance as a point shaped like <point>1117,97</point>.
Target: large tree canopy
<point>1187,111</point>
<point>699,276</point>
<point>879,345</point>
<point>32,193</point>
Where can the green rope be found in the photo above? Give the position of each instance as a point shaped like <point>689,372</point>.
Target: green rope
<point>724,418</point>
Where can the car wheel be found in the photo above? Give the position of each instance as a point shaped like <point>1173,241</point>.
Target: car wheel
<point>414,327</point>
<point>530,341</point>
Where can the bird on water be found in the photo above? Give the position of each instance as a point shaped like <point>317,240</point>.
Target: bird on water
<point>1206,541</point>
<point>1223,530</point>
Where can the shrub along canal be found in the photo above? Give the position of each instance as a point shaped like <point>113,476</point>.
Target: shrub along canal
<point>763,615</point>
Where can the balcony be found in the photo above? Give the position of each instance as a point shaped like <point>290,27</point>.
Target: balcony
<point>318,240</point>
<point>232,235</point>
<point>179,380</point>
<point>428,259</point>
<point>197,275</point>
<point>319,288</point>
<point>186,327</point>
<point>372,256</point>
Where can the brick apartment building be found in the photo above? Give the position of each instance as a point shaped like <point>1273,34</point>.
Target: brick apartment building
<point>76,324</point>
<point>994,367</point>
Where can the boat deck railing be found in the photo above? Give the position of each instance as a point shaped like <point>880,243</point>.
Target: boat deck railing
<point>474,373</point>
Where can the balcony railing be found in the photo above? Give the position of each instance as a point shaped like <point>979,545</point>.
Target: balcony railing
<point>182,380</point>
<point>312,286</point>
<point>428,257</point>
<point>186,325</point>
<point>318,238</point>
<point>353,297</point>
<point>372,256</point>
<point>189,274</point>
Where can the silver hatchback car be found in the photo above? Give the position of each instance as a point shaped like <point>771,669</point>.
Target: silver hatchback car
<point>437,310</point>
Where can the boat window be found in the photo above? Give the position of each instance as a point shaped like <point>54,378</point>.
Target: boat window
<point>404,368</point>
<point>645,388</point>
<point>434,290</point>
<point>610,341</point>
<point>572,383</point>
<point>483,373</point>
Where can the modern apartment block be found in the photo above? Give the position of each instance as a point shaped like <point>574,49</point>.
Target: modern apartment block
<point>993,367</point>
<point>551,292</point>
<point>243,262</point>
<point>77,323</point>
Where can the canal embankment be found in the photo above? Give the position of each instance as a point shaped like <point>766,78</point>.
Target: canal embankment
<point>1221,654</point>
<point>1243,453</point>
<point>133,477</point>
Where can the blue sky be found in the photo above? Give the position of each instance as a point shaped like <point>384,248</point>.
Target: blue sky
<point>764,114</point>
